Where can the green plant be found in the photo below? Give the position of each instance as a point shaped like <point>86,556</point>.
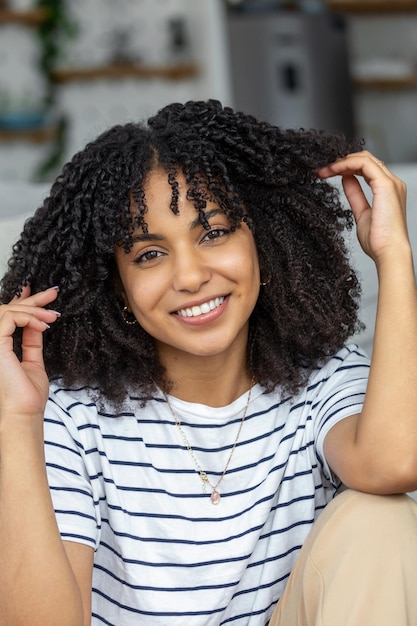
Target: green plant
<point>52,32</point>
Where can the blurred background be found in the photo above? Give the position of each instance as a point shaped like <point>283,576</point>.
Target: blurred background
<point>71,68</point>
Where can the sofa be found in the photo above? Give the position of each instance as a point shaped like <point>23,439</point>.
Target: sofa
<point>18,200</point>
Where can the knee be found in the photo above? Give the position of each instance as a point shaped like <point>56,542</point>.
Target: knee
<point>377,517</point>
<point>354,503</point>
<point>362,546</point>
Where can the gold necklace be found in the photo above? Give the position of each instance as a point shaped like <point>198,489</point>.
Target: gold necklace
<point>215,495</point>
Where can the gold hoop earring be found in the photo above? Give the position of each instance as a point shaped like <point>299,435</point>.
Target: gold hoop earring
<point>266,282</point>
<point>125,313</point>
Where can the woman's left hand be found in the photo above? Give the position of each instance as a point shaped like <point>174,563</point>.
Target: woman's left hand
<point>381,225</point>
<point>376,451</point>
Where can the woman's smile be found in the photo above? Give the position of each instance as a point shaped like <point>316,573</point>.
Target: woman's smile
<point>197,310</point>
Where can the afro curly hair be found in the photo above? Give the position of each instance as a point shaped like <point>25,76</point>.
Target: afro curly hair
<point>256,172</point>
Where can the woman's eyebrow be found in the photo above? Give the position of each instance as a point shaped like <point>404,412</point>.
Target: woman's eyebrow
<point>194,224</point>
<point>147,237</point>
<point>209,214</point>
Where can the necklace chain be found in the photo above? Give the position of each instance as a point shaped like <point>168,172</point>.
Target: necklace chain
<point>215,495</point>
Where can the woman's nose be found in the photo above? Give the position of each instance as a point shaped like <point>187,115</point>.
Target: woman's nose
<point>190,271</point>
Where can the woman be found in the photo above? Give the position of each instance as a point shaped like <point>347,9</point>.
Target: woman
<point>203,404</point>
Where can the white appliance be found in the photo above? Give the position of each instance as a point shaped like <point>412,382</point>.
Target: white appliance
<point>291,69</point>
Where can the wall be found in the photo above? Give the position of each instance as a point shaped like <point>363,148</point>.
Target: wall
<point>137,29</point>
<point>385,46</point>
<point>386,119</point>
<point>21,88</point>
<point>380,46</point>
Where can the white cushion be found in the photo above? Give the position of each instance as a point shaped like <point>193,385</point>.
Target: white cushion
<point>18,201</point>
<point>21,198</point>
<point>10,229</point>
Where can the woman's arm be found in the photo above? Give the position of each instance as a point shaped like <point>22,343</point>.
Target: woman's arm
<point>376,451</point>
<point>40,582</point>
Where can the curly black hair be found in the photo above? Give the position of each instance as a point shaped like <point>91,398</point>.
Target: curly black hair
<point>256,172</point>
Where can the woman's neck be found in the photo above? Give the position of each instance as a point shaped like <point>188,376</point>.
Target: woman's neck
<point>210,381</point>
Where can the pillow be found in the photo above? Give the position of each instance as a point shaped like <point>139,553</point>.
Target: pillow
<point>18,201</point>
<point>10,230</point>
<point>19,197</point>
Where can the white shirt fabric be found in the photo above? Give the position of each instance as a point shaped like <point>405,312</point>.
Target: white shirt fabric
<point>164,554</point>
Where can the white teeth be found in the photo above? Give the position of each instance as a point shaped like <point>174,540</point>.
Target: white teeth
<point>206,307</point>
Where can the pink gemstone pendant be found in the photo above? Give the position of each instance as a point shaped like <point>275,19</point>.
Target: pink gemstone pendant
<point>215,497</point>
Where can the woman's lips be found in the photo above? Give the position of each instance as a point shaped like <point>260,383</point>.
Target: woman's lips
<point>204,313</point>
<point>206,307</point>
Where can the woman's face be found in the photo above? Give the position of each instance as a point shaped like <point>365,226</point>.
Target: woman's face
<point>191,289</point>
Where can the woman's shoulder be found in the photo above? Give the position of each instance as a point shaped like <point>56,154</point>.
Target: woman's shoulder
<point>79,398</point>
<point>350,355</point>
<point>349,363</point>
<point>68,395</point>
<point>84,411</point>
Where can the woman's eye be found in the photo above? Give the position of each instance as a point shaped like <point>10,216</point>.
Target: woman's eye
<point>149,255</point>
<point>216,233</point>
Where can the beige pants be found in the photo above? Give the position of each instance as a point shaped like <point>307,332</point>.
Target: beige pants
<point>358,566</point>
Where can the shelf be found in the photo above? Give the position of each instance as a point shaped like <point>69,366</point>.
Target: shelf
<point>34,135</point>
<point>28,18</point>
<point>120,71</point>
<point>387,84</point>
<point>372,7</point>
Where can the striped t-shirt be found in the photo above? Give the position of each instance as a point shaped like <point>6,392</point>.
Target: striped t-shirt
<point>164,554</point>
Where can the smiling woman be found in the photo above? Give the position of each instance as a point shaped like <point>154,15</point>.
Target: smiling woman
<point>262,178</point>
<point>191,283</point>
<point>199,357</point>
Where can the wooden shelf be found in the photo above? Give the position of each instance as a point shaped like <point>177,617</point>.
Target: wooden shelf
<point>34,135</point>
<point>28,18</point>
<point>115,72</point>
<point>373,6</point>
<point>387,84</point>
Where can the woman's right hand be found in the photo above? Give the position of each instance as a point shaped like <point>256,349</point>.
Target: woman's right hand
<point>24,384</point>
<point>51,581</point>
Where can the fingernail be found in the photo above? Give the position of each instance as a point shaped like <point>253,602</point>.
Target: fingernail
<point>57,313</point>
<point>54,287</point>
<point>46,325</point>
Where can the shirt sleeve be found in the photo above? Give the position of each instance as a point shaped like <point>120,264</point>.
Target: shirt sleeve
<point>340,392</point>
<point>69,482</point>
